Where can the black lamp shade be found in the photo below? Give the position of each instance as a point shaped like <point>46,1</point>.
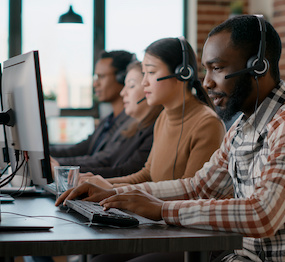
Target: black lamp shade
<point>70,17</point>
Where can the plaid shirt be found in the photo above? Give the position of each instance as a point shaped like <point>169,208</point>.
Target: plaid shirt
<point>250,165</point>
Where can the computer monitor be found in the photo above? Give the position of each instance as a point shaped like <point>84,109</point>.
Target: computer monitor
<point>4,157</point>
<point>3,163</point>
<point>2,146</point>
<point>22,96</point>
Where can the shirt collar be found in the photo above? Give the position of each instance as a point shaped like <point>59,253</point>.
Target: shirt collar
<point>266,110</point>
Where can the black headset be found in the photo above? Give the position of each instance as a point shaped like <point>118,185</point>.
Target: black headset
<point>257,65</point>
<point>184,71</point>
<point>121,75</point>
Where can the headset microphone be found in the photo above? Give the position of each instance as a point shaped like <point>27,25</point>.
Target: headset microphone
<point>166,77</point>
<point>141,100</point>
<point>257,65</point>
<point>241,72</point>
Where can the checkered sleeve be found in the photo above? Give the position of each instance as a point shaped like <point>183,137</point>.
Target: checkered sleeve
<point>212,175</point>
<point>259,215</point>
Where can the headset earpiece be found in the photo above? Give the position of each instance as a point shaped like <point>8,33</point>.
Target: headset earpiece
<point>184,74</point>
<point>120,77</point>
<point>256,65</point>
<point>257,72</point>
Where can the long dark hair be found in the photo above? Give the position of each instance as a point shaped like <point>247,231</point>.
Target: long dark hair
<point>169,51</point>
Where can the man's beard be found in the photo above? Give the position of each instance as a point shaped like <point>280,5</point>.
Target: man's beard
<point>242,89</point>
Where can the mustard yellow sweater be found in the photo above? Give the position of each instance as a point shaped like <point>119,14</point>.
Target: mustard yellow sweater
<point>202,134</point>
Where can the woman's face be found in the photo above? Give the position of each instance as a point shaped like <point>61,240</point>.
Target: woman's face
<point>132,93</point>
<point>158,92</point>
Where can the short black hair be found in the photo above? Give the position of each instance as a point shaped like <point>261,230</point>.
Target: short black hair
<point>245,35</point>
<point>121,58</point>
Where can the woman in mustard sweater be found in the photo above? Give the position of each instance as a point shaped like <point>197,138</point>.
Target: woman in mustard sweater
<point>188,130</point>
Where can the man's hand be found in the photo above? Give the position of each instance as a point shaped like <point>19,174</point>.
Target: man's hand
<point>94,179</point>
<point>136,201</point>
<point>91,192</point>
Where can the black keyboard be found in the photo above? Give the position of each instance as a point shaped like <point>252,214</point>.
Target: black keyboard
<point>95,213</point>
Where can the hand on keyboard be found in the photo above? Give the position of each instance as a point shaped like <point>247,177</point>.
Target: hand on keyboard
<point>93,192</point>
<point>136,201</point>
<point>95,213</point>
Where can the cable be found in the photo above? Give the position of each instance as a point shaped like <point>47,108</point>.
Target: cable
<point>255,124</point>
<point>74,222</point>
<point>9,178</point>
<point>25,175</point>
<point>261,252</point>
<point>182,124</point>
<point>17,214</point>
<point>257,100</point>
<point>5,169</point>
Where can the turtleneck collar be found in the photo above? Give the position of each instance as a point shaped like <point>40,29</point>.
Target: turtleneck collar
<point>174,115</point>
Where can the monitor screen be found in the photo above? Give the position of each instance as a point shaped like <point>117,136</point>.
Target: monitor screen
<point>28,137</point>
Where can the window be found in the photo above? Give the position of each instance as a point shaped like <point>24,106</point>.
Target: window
<point>133,25</point>
<point>66,54</point>
<point>65,50</point>
<point>3,30</point>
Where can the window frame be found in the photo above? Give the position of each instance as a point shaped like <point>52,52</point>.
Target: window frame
<point>15,45</point>
<point>15,42</point>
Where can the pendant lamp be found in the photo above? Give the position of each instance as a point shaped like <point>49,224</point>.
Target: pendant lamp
<point>70,17</point>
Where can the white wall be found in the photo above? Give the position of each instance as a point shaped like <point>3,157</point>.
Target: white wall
<point>264,7</point>
<point>192,24</point>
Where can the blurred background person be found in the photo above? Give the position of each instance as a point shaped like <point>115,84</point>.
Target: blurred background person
<point>110,72</point>
<point>130,153</point>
